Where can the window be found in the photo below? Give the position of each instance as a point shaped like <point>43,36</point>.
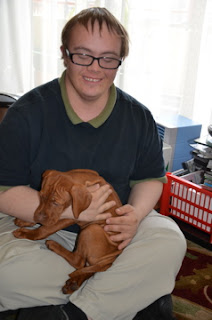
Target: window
<point>169,68</point>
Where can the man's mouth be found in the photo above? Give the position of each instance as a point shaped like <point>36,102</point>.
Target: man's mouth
<point>91,79</point>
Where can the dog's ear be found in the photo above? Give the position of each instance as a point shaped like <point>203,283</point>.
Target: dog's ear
<point>47,174</point>
<point>81,199</point>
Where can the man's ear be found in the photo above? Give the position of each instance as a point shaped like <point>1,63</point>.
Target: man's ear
<point>64,55</point>
<point>81,199</point>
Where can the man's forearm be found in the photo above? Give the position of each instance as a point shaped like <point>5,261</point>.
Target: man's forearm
<point>144,196</point>
<point>20,202</point>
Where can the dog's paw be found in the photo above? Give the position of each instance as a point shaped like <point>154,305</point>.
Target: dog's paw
<point>53,246</point>
<point>20,233</point>
<point>22,223</point>
<point>50,244</point>
<point>23,233</point>
<point>70,286</point>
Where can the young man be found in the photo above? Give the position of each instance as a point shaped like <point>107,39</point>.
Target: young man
<point>83,121</point>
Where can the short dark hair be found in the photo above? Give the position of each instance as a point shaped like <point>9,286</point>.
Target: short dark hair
<point>101,15</point>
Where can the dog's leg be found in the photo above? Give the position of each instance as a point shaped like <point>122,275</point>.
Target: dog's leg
<point>79,276</point>
<point>42,232</point>
<point>74,259</point>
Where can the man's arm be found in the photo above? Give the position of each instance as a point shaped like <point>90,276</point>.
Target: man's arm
<point>22,201</point>
<point>144,196</point>
<point>142,200</point>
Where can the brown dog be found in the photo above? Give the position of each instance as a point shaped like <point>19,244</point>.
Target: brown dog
<point>95,251</point>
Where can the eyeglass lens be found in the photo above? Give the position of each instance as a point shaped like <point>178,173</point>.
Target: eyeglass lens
<point>104,62</point>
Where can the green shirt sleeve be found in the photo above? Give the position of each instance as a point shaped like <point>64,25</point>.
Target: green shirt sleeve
<point>161,179</point>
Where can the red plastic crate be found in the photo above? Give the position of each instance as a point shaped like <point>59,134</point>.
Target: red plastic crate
<point>188,202</point>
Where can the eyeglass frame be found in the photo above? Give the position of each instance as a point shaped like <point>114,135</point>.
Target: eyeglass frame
<point>70,55</point>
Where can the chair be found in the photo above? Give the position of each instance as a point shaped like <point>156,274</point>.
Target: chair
<point>6,100</point>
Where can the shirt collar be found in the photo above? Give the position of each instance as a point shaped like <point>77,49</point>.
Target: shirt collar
<point>101,118</point>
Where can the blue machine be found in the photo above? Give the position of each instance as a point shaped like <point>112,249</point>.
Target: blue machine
<point>178,132</point>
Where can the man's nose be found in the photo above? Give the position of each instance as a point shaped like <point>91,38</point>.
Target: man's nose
<point>95,65</point>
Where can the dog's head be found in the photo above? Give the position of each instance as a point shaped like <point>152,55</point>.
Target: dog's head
<point>58,191</point>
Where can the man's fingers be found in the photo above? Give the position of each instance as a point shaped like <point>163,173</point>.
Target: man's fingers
<point>107,205</point>
<point>120,237</point>
<point>118,221</point>
<point>116,228</point>
<point>99,206</point>
<point>103,216</point>
<point>124,244</point>
<point>104,191</point>
<point>124,209</point>
<point>102,210</point>
<point>100,197</point>
<point>93,187</point>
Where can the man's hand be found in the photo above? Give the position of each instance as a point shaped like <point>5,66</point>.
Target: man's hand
<point>125,224</point>
<point>97,210</point>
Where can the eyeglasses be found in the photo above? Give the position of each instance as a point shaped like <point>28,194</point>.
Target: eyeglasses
<point>86,60</point>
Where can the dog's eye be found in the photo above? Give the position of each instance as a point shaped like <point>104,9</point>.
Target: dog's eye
<point>55,203</point>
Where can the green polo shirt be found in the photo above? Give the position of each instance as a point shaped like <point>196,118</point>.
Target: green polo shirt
<point>41,131</point>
